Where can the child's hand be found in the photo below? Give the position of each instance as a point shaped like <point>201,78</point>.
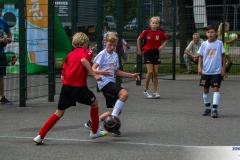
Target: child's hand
<point>62,77</point>
<point>140,52</point>
<point>98,78</point>
<point>106,72</point>
<point>135,76</point>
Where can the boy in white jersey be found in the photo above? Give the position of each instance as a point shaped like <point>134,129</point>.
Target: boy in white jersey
<point>106,64</point>
<point>211,67</point>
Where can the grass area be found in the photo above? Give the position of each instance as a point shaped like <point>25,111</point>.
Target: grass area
<point>166,66</point>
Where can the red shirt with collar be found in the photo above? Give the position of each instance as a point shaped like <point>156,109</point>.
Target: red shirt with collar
<point>152,39</point>
<point>73,71</point>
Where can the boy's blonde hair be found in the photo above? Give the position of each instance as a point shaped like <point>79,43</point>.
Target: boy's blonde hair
<point>112,37</point>
<point>79,39</point>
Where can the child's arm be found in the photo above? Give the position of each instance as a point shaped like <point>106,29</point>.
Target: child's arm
<point>102,72</point>
<point>139,46</point>
<point>200,59</point>
<point>223,64</point>
<point>120,73</point>
<point>163,45</point>
<point>87,65</point>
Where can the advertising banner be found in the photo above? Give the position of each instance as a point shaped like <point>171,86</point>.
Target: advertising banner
<point>37,31</point>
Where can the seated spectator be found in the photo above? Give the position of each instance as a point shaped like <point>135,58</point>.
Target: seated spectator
<point>190,53</point>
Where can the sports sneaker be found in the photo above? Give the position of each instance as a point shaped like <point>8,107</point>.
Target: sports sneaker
<point>98,134</point>
<point>4,100</point>
<point>156,95</point>
<point>214,113</point>
<point>206,112</point>
<point>38,140</point>
<point>88,125</point>
<point>148,95</point>
<point>116,133</point>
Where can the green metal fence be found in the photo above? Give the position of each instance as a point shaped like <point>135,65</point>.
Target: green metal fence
<point>179,19</point>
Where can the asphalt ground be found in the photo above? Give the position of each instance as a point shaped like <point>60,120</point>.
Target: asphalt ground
<point>169,128</point>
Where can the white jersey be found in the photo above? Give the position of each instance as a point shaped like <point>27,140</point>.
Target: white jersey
<point>106,61</point>
<point>212,57</point>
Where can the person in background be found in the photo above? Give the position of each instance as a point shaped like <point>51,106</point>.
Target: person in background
<point>154,42</point>
<point>227,43</point>
<point>4,40</point>
<point>190,53</point>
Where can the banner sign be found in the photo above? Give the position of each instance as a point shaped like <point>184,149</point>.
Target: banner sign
<point>37,31</point>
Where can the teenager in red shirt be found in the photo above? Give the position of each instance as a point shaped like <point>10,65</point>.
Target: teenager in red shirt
<point>154,41</point>
<point>74,78</point>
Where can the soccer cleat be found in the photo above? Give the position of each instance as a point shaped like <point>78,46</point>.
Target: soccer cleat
<point>98,134</point>
<point>88,125</point>
<point>148,95</point>
<point>156,95</point>
<point>4,100</point>
<point>116,133</point>
<point>38,140</point>
<point>214,113</point>
<point>206,112</point>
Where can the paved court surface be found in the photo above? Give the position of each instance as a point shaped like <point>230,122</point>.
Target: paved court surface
<point>170,128</point>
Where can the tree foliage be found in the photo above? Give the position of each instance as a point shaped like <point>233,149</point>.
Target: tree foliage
<point>129,9</point>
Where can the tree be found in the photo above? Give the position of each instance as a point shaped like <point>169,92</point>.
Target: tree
<point>129,9</point>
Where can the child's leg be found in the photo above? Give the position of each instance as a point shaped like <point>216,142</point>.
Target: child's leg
<point>155,78</point>
<point>94,116</point>
<point>148,75</point>
<point>216,97</point>
<point>123,95</point>
<point>51,122</point>
<point>206,96</point>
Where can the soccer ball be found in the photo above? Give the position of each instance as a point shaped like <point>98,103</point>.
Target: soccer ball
<point>112,123</point>
<point>233,36</point>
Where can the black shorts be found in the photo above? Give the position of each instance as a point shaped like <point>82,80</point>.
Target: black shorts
<point>3,64</point>
<point>151,57</point>
<point>70,95</point>
<point>110,92</point>
<point>210,80</point>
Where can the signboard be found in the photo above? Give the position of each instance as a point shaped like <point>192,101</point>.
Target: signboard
<point>63,10</point>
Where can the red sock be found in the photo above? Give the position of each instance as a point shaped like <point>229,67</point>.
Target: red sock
<point>48,125</point>
<point>95,119</point>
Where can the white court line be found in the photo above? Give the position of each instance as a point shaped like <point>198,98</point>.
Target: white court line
<point>113,142</point>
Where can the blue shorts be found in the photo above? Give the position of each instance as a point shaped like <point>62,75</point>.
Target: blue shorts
<point>210,80</point>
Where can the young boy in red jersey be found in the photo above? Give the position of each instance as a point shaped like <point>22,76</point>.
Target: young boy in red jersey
<point>74,78</point>
<point>154,41</point>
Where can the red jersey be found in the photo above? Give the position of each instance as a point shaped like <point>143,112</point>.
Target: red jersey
<point>74,72</point>
<point>152,39</point>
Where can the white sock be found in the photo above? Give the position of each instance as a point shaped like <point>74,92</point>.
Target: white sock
<point>117,108</point>
<point>216,97</point>
<point>206,98</point>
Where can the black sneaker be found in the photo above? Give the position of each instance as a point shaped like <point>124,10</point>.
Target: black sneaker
<point>5,101</point>
<point>206,112</point>
<point>214,113</point>
<point>116,133</point>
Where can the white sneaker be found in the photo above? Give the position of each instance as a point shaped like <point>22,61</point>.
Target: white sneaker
<point>148,95</point>
<point>88,125</point>
<point>156,95</point>
<point>98,134</point>
<point>38,140</point>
